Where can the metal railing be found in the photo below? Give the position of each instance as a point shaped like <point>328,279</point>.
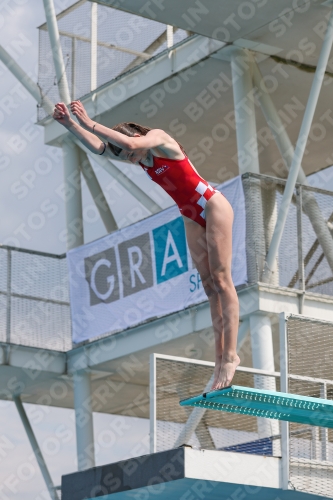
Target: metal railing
<point>306,452</point>
<point>306,251</point>
<point>99,43</point>
<point>34,299</point>
<point>308,354</point>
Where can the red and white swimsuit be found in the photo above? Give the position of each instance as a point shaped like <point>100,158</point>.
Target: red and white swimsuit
<point>187,188</point>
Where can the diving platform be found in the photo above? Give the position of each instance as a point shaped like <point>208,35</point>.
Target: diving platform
<point>267,404</point>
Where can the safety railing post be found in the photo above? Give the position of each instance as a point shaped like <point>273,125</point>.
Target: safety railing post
<point>284,388</point>
<point>93,47</point>
<point>324,430</point>
<point>299,202</point>
<point>9,295</point>
<point>169,33</point>
<point>73,91</point>
<point>152,397</point>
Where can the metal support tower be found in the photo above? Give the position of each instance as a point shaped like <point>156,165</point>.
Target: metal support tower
<point>84,420</point>
<point>263,359</point>
<point>75,237</point>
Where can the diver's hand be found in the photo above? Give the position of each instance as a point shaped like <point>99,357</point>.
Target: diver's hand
<point>78,110</point>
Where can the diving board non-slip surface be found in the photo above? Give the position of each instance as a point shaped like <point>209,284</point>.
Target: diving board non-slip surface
<point>267,404</point>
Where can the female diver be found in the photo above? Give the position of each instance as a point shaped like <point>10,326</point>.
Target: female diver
<point>207,215</point>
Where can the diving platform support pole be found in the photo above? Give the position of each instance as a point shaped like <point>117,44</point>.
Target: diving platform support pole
<point>36,449</point>
<point>58,59</point>
<point>72,194</point>
<point>248,160</point>
<point>96,192</point>
<point>75,237</point>
<point>124,181</point>
<point>84,420</point>
<point>245,118</point>
<point>263,359</point>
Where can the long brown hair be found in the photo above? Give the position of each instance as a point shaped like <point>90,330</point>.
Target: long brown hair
<point>130,129</point>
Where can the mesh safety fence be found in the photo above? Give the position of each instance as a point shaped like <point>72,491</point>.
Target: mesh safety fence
<point>317,259</point>
<point>305,257</point>
<point>34,300</point>
<point>177,380</point>
<point>310,353</point>
<point>124,41</point>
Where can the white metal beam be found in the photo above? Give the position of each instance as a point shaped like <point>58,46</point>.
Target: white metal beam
<point>263,359</point>
<point>96,192</point>
<point>84,420</point>
<point>246,132</point>
<point>193,420</point>
<point>274,121</point>
<point>20,356</point>
<point>269,212</point>
<point>73,36</point>
<point>81,386</point>
<point>26,81</point>
<point>35,446</point>
<point>169,31</point>
<point>300,147</point>
<point>73,195</point>
<point>93,47</point>
<point>58,60</point>
<point>247,150</point>
<point>75,237</point>
<point>123,180</point>
<point>284,382</point>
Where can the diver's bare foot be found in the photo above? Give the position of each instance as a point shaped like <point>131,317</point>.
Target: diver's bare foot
<point>227,372</point>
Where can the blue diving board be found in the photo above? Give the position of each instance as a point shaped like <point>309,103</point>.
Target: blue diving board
<point>266,404</point>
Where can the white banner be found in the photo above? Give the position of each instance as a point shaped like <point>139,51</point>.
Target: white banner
<point>143,271</point>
